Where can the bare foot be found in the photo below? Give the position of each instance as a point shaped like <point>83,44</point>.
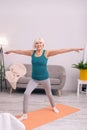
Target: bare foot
<point>23,117</point>
<point>55,110</point>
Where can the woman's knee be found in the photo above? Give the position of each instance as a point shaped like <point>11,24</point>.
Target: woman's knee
<point>49,94</point>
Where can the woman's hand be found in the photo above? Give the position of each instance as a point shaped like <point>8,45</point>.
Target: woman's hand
<point>8,52</point>
<point>78,49</point>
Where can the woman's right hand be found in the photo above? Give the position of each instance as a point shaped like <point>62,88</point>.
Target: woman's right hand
<point>8,52</point>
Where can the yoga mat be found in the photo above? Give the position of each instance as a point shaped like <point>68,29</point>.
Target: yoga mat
<point>46,115</point>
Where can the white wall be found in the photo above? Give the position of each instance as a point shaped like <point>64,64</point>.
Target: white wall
<point>62,24</point>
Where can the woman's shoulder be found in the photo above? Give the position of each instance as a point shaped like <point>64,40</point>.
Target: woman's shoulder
<point>29,52</point>
<point>33,52</point>
<point>46,53</point>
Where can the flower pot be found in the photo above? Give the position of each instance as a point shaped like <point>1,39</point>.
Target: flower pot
<point>83,74</point>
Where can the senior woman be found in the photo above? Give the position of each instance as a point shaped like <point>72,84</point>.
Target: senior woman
<point>40,74</point>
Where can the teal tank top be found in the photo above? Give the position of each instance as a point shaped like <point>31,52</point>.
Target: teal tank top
<point>39,66</point>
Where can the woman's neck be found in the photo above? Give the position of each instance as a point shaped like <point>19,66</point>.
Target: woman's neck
<point>39,52</point>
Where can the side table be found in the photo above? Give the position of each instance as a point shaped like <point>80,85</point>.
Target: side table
<point>80,83</point>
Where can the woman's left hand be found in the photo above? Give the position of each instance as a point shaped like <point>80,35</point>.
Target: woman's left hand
<point>78,49</point>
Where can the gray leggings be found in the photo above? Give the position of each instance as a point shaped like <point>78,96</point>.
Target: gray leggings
<point>31,86</point>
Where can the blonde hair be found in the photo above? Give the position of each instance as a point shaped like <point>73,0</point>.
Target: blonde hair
<point>38,40</point>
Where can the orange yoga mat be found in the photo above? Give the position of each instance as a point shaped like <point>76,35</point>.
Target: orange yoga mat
<point>46,115</point>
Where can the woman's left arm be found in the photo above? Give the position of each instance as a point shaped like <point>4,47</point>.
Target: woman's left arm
<point>56,52</point>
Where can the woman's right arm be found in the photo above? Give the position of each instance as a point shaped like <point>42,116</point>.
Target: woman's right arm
<point>21,52</point>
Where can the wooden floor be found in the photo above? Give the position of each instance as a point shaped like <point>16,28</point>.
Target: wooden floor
<point>77,121</point>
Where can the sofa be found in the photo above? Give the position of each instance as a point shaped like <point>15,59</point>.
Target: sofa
<point>57,77</point>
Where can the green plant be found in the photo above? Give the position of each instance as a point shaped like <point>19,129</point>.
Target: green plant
<point>80,65</point>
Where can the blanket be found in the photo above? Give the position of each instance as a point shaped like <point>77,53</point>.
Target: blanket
<point>15,71</point>
<point>9,122</point>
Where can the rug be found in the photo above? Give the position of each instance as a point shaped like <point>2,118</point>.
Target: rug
<point>46,115</point>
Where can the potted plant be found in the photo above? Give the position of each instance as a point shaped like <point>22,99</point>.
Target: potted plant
<point>83,69</point>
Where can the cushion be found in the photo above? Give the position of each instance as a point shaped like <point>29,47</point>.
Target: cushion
<point>23,80</point>
<point>54,81</point>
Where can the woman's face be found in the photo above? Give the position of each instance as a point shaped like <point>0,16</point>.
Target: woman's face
<point>39,45</point>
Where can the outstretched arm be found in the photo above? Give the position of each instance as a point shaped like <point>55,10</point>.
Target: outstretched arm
<point>56,52</point>
<point>21,52</point>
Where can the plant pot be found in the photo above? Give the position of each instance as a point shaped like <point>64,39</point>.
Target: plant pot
<point>83,74</point>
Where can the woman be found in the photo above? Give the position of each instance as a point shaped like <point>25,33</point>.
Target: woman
<point>39,58</point>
